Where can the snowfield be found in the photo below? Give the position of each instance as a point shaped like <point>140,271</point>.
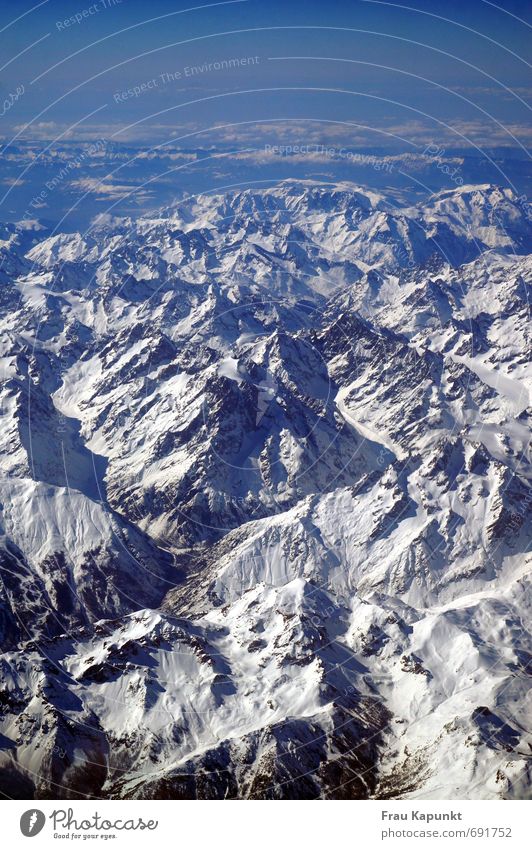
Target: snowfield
<point>265,500</point>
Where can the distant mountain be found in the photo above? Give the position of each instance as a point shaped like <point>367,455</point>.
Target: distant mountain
<point>265,499</point>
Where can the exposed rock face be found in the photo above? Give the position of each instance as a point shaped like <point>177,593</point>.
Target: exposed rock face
<point>265,500</point>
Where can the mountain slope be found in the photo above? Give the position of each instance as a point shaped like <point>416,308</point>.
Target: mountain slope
<point>265,499</point>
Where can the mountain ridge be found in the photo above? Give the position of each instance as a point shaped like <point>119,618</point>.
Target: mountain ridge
<point>265,487</point>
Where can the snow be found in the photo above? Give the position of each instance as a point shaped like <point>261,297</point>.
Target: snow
<point>365,431</point>
<point>513,390</point>
<point>264,498</point>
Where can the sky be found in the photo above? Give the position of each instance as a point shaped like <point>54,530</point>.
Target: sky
<point>122,106</point>
<point>251,72</point>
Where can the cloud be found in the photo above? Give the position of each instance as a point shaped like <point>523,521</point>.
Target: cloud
<point>176,142</point>
<point>411,134</point>
<point>107,190</point>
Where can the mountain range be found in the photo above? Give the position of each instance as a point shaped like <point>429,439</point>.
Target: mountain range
<point>265,498</point>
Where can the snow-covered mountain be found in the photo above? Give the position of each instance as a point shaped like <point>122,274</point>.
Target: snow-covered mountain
<point>265,499</point>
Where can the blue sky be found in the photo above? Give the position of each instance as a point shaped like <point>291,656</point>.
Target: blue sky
<point>378,74</point>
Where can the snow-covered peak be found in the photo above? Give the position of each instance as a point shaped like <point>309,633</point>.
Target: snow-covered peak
<point>264,497</point>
